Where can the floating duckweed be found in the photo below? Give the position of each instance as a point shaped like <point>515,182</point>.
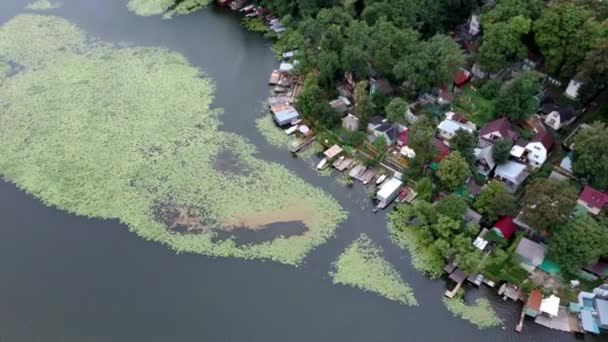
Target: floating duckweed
<point>273,134</point>
<point>481,314</point>
<point>128,133</point>
<point>362,266</point>
<point>166,7</point>
<point>345,180</point>
<point>42,5</point>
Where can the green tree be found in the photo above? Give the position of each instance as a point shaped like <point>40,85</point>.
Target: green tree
<point>424,189</point>
<point>517,100</point>
<point>453,171</point>
<point>395,110</point>
<point>593,71</point>
<point>495,201</point>
<point>555,33</point>
<point>309,100</point>
<point>581,241</point>
<point>503,42</point>
<point>501,151</point>
<point>328,64</point>
<point>433,63</point>
<point>452,206</point>
<point>491,89</point>
<point>547,204</point>
<point>445,228</point>
<point>589,158</point>
<point>465,142</point>
<point>364,107</point>
<point>380,144</point>
<point>507,9</point>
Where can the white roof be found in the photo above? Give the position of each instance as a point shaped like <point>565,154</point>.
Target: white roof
<point>566,164</point>
<point>573,87</point>
<point>408,152</point>
<point>486,154</point>
<point>550,305</point>
<point>510,169</point>
<point>517,151</point>
<point>480,243</point>
<point>452,126</point>
<point>286,67</point>
<point>389,188</point>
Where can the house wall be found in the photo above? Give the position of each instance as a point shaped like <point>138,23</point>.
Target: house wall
<point>537,154</point>
<point>487,139</point>
<point>591,210</point>
<point>553,120</point>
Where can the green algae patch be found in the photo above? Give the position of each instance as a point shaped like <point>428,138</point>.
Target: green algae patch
<point>165,7</point>
<point>43,5</point>
<point>128,133</point>
<point>271,133</point>
<point>362,266</point>
<point>481,314</point>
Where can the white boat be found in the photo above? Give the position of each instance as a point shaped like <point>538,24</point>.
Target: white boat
<point>291,130</point>
<point>322,164</point>
<point>380,179</point>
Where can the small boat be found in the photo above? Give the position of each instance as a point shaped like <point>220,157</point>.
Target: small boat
<point>291,130</point>
<point>322,164</point>
<point>279,89</point>
<point>380,179</point>
<point>251,15</point>
<point>247,8</point>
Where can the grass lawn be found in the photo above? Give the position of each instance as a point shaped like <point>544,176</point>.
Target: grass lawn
<point>475,107</point>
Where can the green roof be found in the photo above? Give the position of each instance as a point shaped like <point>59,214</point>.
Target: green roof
<point>549,267</point>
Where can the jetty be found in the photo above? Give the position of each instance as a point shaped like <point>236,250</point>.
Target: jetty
<point>301,144</point>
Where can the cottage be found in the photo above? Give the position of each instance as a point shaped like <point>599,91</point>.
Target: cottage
<point>592,200</point>
<point>495,131</point>
<point>535,152</point>
<point>381,85</point>
<point>389,191</point>
<point>557,119</point>
<point>350,123</point>
<point>462,78</point>
<point>452,123</point>
<point>386,130</point>
<point>532,308</point>
<point>484,160</point>
<point>332,152</point>
<point>505,227</point>
<point>284,114</point>
<point>512,174</point>
<point>550,306</point>
<point>340,105</point>
<point>530,253</point>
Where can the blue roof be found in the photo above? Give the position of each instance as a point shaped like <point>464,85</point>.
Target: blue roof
<point>601,305</point>
<point>588,322</point>
<point>285,116</point>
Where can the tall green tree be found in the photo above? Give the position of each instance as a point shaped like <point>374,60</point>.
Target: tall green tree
<point>547,204</point>
<point>433,63</point>
<point>452,206</point>
<point>517,100</point>
<point>580,242</point>
<point>424,189</point>
<point>364,107</point>
<point>453,171</point>
<point>309,100</point>
<point>507,9</point>
<point>556,31</point>
<point>589,158</point>
<point>494,202</point>
<point>395,110</point>
<point>501,151</point>
<point>465,142</point>
<point>503,43</point>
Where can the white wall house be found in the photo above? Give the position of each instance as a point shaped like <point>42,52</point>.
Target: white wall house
<point>452,123</point>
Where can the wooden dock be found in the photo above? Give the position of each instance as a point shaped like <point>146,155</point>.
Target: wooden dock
<point>520,324</point>
<point>305,142</point>
<point>452,293</point>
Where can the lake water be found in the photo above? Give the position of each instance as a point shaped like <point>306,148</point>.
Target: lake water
<point>68,278</point>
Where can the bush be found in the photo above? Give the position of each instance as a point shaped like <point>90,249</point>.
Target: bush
<point>491,89</point>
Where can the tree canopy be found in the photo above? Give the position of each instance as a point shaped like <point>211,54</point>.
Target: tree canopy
<point>495,201</point>
<point>589,158</point>
<point>501,151</point>
<point>516,100</point>
<point>453,171</point>
<point>547,204</point>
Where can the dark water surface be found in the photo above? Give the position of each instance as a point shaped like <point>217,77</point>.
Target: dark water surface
<point>68,278</point>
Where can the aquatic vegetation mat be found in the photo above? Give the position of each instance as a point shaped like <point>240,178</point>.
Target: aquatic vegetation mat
<point>42,5</point>
<point>362,266</point>
<point>481,314</point>
<point>273,134</point>
<point>165,7</point>
<point>128,133</point>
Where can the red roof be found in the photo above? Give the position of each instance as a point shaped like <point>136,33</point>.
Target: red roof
<point>593,198</point>
<point>534,300</point>
<point>403,138</point>
<point>506,226</point>
<point>462,78</point>
<point>502,125</point>
<point>443,150</point>
<point>546,139</point>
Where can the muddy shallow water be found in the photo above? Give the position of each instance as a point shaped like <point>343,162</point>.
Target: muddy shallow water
<point>68,278</point>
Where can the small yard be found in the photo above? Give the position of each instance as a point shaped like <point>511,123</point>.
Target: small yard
<point>475,107</point>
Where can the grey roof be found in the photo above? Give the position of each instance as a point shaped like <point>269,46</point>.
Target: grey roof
<point>566,113</point>
<point>472,216</point>
<point>486,155</point>
<point>531,252</point>
<point>339,106</point>
<point>376,120</point>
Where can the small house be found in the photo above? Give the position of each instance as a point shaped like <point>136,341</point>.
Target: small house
<point>389,191</point>
<point>512,174</point>
<point>530,253</point>
<point>532,307</point>
<point>495,131</point>
<point>462,78</point>
<point>339,105</point>
<point>386,130</point>
<point>452,123</point>
<point>443,151</point>
<point>350,123</point>
<point>284,114</point>
<point>381,85</point>
<point>505,227</point>
<point>592,200</point>
<point>560,118</point>
<point>332,152</point>
<point>550,306</point>
<point>484,160</point>
<point>535,152</point>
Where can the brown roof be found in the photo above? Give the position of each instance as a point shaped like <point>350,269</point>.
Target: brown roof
<point>544,138</point>
<point>534,300</point>
<point>501,125</point>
